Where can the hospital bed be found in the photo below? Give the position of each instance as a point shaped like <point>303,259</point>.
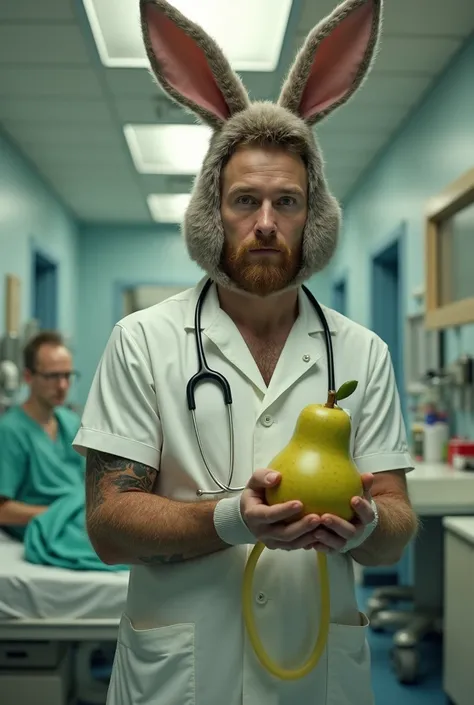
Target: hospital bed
<point>51,622</point>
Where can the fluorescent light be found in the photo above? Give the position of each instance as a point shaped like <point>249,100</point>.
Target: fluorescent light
<point>168,149</point>
<point>168,208</point>
<point>250,32</point>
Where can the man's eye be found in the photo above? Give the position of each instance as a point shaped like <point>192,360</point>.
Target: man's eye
<point>245,200</point>
<point>287,201</point>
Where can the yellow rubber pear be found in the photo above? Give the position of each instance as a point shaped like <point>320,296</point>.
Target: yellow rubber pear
<point>316,469</point>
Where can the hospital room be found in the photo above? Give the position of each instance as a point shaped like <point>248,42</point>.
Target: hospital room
<point>236,352</point>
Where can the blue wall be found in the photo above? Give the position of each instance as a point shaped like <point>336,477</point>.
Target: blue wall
<point>30,216</point>
<point>110,255</point>
<point>119,255</point>
<point>435,146</point>
<point>433,149</point>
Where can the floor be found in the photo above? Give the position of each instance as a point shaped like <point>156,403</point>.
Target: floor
<point>387,690</point>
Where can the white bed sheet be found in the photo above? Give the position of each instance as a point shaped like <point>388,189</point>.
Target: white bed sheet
<point>30,591</point>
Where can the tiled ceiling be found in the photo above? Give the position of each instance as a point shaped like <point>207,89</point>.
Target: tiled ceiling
<point>66,111</point>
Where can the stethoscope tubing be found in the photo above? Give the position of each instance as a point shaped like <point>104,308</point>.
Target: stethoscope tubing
<point>206,374</point>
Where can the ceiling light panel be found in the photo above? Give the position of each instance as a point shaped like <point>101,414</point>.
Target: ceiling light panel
<point>240,28</point>
<point>168,149</point>
<point>168,208</point>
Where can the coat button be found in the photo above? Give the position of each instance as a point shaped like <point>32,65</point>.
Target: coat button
<point>261,598</point>
<point>267,420</point>
<point>306,358</point>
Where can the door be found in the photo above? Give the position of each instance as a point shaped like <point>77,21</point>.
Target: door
<point>45,291</point>
<point>387,315</point>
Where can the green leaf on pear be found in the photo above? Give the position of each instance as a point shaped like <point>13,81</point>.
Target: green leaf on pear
<point>346,389</point>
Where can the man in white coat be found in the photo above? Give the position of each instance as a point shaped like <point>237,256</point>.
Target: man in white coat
<point>261,221</point>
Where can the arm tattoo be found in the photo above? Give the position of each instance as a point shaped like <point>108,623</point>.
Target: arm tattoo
<point>105,473</point>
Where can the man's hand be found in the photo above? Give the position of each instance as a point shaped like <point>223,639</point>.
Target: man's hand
<point>13,513</point>
<point>280,525</point>
<point>334,533</point>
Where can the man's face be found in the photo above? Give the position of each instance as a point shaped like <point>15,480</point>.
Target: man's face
<point>49,382</point>
<point>264,209</point>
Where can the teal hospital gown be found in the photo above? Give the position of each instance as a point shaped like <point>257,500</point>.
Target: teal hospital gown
<point>33,468</point>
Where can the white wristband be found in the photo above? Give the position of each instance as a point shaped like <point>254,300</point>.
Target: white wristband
<point>229,523</point>
<point>368,530</point>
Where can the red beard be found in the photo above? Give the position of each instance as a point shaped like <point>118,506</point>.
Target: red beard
<point>261,276</point>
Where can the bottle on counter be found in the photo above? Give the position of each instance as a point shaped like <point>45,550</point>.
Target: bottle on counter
<point>435,438</point>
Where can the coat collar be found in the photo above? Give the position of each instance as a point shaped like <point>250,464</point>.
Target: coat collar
<point>211,311</point>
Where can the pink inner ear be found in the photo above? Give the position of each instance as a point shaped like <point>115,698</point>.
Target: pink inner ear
<point>337,61</point>
<point>184,64</point>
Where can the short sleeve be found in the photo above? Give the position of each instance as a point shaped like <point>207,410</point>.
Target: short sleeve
<point>121,415</point>
<point>380,439</point>
<point>13,464</point>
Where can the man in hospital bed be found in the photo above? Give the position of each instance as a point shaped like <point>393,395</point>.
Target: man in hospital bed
<point>42,477</point>
<point>42,504</point>
<point>37,463</point>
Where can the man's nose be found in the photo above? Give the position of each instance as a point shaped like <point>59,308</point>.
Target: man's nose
<point>266,222</point>
<point>63,383</point>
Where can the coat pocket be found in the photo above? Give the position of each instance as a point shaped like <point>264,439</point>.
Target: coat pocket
<point>349,675</point>
<point>153,666</point>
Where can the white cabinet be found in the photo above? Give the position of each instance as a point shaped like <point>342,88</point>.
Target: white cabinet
<point>459,609</point>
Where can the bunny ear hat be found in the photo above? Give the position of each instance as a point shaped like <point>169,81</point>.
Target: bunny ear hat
<point>329,68</point>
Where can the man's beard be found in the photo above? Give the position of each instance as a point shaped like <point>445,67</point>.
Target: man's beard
<point>268,274</point>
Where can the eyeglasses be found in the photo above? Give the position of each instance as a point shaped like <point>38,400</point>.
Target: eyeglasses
<point>55,377</point>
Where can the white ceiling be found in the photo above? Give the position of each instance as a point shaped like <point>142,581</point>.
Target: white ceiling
<point>66,111</point>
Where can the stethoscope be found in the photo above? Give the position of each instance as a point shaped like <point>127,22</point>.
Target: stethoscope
<point>206,374</point>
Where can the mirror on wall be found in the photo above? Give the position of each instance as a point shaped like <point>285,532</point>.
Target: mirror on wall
<point>450,254</point>
<point>456,242</point>
<point>137,298</point>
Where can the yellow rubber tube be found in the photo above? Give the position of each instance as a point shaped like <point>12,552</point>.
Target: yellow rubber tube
<point>247,605</point>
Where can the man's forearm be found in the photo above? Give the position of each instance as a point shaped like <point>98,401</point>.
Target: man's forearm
<point>128,524</point>
<point>397,525</point>
<point>14,513</point>
<point>139,528</point>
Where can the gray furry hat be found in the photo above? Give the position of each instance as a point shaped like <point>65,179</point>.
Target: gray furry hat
<point>329,68</point>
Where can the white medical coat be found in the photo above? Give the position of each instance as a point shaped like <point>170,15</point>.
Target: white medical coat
<point>182,639</point>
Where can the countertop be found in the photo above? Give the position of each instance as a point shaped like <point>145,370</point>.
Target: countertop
<point>462,526</point>
<point>439,490</point>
